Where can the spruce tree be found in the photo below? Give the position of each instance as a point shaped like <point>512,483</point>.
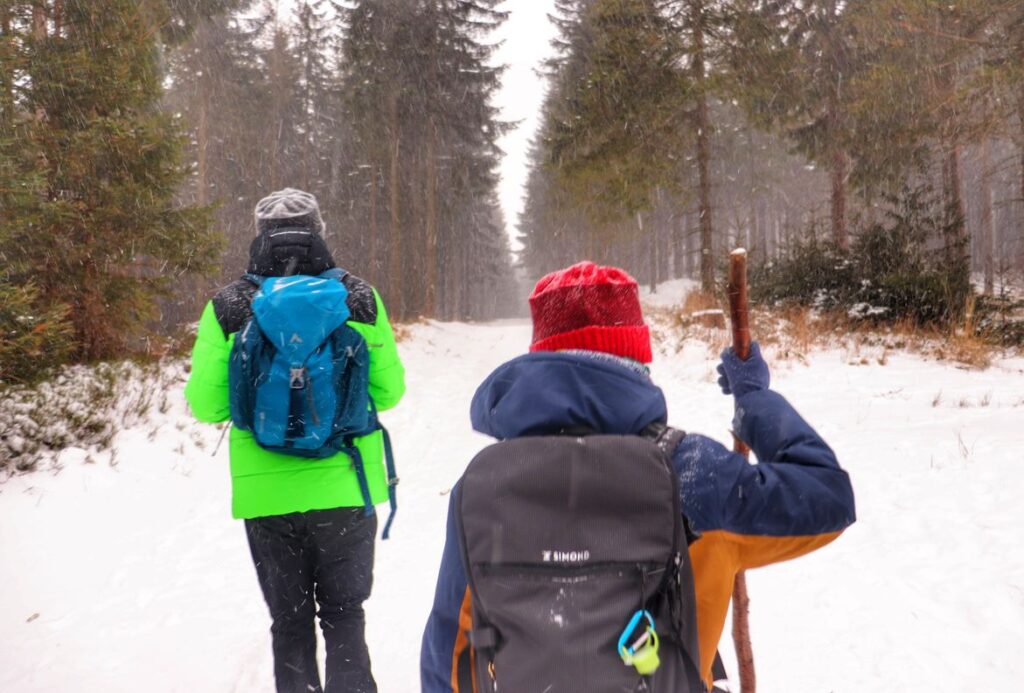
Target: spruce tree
<point>622,111</point>
<point>34,334</point>
<point>106,237</point>
<point>795,61</point>
<point>417,87</point>
<point>216,86</point>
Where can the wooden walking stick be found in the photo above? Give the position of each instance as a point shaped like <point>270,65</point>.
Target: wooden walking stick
<point>740,318</point>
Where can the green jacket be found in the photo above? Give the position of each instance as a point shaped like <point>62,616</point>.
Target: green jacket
<point>266,483</point>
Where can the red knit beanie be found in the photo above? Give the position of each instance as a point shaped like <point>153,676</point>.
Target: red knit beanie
<point>590,307</point>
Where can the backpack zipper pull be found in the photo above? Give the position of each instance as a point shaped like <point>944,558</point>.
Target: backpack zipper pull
<point>297,377</point>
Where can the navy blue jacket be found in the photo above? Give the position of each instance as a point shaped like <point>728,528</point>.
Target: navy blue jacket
<point>794,500</point>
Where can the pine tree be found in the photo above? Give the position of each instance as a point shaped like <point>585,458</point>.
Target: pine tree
<point>417,85</point>
<point>795,60</point>
<point>614,119</point>
<point>106,236</point>
<point>217,88</point>
<point>34,334</point>
<point>697,19</point>
<point>622,111</point>
<point>943,53</point>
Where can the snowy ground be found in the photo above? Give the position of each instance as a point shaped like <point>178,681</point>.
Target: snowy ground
<point>134,577</point>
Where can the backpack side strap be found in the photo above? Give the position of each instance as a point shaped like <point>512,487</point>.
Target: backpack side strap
<point>350,449</point>
<point>389,459</point>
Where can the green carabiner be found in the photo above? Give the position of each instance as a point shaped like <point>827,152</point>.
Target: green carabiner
<point>642,653</point>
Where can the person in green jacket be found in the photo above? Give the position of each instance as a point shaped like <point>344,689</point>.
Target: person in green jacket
<point>311,540</point>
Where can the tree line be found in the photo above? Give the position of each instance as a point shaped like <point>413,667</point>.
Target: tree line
<point>137,135</point>
<point>381,108</point>
<point>673,128</point>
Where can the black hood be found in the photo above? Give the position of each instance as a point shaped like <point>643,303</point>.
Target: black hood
<point>283,252</point>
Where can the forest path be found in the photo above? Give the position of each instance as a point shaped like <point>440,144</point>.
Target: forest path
<point>134,577</point>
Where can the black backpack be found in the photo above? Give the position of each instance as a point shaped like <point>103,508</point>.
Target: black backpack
<point>572,546</point>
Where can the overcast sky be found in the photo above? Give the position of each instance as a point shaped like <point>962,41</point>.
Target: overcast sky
<point>527,35</point>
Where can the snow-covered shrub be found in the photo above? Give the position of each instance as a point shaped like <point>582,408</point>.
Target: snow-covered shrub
<point>905,269</point>
<point>1001,319</point>
<point>80,407</point>
<point>813,273</point>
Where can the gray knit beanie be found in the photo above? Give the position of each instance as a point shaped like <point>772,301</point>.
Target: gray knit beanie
<point>288,208</point>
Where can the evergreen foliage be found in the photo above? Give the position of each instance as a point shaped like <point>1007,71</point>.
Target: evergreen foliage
<point>615,107</point>
<point>621,111</point>
<point>797,65</point>
<point>95,225</point>
<point>894,271</point>
<point>671,130</point>
<point>34,337</point>
<point>417,84</point>
<point>381,109</point>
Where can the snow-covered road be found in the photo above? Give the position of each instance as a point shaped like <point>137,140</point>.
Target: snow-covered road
<point>134,577</point>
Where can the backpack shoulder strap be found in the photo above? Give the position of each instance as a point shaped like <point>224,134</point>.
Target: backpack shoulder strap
<point>667,439</point>
<point>334,273</point>
<point>664,436</point>
<point>253,278</point>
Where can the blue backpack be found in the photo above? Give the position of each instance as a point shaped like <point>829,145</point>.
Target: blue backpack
<point>299,375</point>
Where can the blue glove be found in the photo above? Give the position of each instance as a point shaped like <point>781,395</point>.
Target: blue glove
<point>740,377</point>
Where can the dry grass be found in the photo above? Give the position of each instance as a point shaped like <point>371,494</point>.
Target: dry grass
<point>698,300</point>
<point>402,331</point>
<point>795,332</point>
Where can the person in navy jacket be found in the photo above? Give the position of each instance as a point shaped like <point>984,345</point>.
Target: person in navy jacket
<point>587,369</point>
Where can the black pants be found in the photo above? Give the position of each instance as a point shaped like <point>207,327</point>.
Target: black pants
<point>320,558</point>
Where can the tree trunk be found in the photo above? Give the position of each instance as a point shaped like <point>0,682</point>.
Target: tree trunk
<point>761,225</point>
<point>39,20</point>
<point>430,292</point>
<point>693,255</point>
<point>958,250</point>
<point>39,34</point>
<point>458,251</point>
<point>703,124</point>
<point>707,265</point>
<point>395,235</point>
<point>6,74</point>
<point>678,221</point>
<point>652,251</point>
<point>838,175</point>
<point>202,137</point>
<point>1020,201</point>
<point>661,219</point>
<point>1020,122</point>
<point>987,230</point>
<point>374,232</point>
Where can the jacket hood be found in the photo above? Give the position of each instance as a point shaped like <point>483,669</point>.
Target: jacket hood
<point>546,393</point>
<point>283,252</point>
